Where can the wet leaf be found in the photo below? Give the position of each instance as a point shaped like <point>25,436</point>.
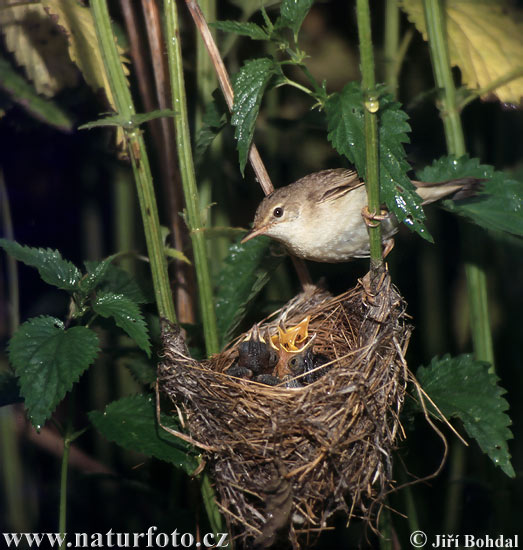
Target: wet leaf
<point>464,388</point>
<point>252,30</point>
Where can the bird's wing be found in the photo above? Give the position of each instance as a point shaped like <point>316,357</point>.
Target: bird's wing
<point>334,184</point>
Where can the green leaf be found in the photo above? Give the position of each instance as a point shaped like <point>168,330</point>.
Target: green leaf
<point>245,272</point>
<point>142,369</point>
<point>176,254</point>
<point>48,360</point>
<point>131,423</point>
<point>498,206</point>
<point>292,14</point>
<point>9,390</point>
<point>126,315</point>
<point>345,120</point>
<point>464,388</point>
<point>213,120</point>
<point>53,269</point>
<point>23,93</point>
<point>251,30</point>
<point>95,275</point>
<point>119,281</point>
<point>127,124</point>
<point>249,83</point>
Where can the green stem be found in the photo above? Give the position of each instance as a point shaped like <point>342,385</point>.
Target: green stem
<point>139,159</point>
<point>476,277</point>
<point>449,112</point>
<point>392,37</point>
<point>193,213</point>
<point>371,103</point>
<point>63,487</point>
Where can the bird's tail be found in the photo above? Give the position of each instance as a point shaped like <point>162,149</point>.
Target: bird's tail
<point>458,189</point>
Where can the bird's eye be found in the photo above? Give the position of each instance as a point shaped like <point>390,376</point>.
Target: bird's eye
<point>278,212</point>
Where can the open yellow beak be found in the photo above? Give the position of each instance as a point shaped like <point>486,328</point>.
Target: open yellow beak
<point>254,233</point>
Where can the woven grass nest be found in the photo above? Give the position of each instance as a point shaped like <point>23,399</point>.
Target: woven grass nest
<point>284,460</point>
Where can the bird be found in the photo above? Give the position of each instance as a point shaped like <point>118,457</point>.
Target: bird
<point>319,217</point>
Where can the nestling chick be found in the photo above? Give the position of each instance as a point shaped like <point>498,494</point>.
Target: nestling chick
<point>319,217</point>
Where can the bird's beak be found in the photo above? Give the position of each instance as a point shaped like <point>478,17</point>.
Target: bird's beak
<point>254,233</point>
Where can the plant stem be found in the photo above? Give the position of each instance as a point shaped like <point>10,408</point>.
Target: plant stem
<point>392,37</point>
<point>371,103</point>
<point>193,213</point>
<point>476,277</point>
<point>140,162</point>
<point>63,487</point>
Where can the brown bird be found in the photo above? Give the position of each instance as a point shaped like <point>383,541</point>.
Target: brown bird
<point>319,217</point>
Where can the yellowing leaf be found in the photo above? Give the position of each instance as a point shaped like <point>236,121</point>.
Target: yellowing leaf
<point>76,21</point>
<point>37,46</point>
<point>485,41</point>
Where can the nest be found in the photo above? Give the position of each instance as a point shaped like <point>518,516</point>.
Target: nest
<point>284,460</point>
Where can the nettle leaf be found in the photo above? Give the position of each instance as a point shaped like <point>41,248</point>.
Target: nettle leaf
<point>95,276</point>
<point>249,84</point>
<point>119,281</point>
<point>23,93</point>
<point>484,41</point>
<point>292,14</point>
<point>252,30</point>
<point>464,388</point>
<point>125,122</point>
<point>346,132</point>
<point>126,315</point>
<point>53,269</point>
<point>499,204</point>
<point>245,272</point>
<point>48,360</point>
<point>131,423</point>
<point>213,120</point>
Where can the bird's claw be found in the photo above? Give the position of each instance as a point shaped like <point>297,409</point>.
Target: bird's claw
<point>373,219</point>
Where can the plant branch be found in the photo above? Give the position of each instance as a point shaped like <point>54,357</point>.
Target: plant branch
<point>192,202</point>
<point>140,162</point>
<point>371,104</point>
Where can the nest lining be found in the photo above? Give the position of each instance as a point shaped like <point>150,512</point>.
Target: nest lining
<point>286,459</point>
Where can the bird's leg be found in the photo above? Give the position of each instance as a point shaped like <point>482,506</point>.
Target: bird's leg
<point>371,219</point>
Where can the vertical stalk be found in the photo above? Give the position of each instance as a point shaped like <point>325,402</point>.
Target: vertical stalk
<point>476,277</point>
<point>392,37</point>
<point>63,488</point>
<point>371,102</point>
<point>193,213</point>
<point>139,159</point>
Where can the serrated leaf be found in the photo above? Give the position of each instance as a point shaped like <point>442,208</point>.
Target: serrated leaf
<point>142,369</point>
<point>126,315</point>
<point>131,423</point>
<point>33,39</point>
<point>249,83</point>
<point>245,272</point>
<point>176,254</point>
<point>53,269</point>
<point>95,276</point>
<point>76,22</point>
<point>213,120</point>
<point>119,281</point>
<point>21,92</point>
<point>124,122</point>
<point>346,132</point>
<point>292,14</point>
<point>48,360</point>
<point>464,388</point>
<point>485,40</point>
<point>9,389</point>
<point>498,206</point>
<point>252,30</point>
